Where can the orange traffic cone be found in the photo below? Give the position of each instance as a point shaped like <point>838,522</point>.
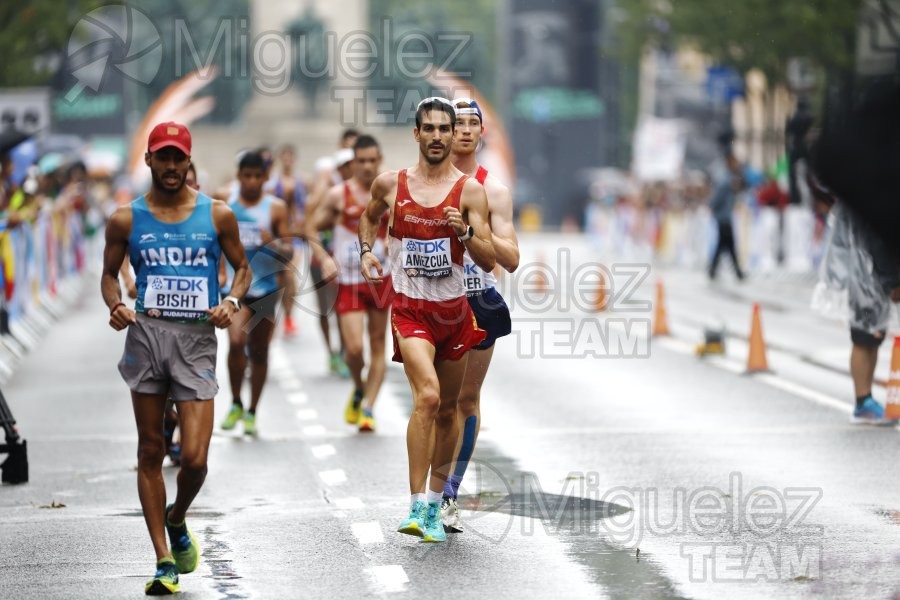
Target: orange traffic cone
<point>660,323</point>
<point>540,280</point>
<point>601,299</point>
<point>756,360</point>
<point>892,408</point>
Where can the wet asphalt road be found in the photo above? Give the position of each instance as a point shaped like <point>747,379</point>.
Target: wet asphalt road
<point>655,477</point>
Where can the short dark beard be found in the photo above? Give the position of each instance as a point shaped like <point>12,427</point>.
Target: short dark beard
<point>435,161</point>
<point>161,189</point>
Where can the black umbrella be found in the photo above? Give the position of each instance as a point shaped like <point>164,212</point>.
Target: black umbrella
<point>10,138</point>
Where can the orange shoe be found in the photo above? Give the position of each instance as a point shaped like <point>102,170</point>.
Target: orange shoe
<point>290,329</point>
<point>366,422</point>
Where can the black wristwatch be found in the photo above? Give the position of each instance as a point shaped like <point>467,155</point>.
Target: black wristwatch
<point>470,233</point>
<point>364,248</point>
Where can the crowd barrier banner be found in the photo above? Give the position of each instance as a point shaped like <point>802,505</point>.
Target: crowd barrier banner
<point>767,240</point>
<point>41,264</point>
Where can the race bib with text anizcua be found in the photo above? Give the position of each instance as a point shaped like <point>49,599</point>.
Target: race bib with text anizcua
<point>174,296</point>
<point>426,258</point>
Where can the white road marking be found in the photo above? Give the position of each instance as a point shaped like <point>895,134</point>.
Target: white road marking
<point>313,430</point>
<point>811,395</point>
<point>767,378</point>
<point>323,451</point>
<point>368,533</point>
<point>291,385</point>
<point>389,578</point>
<point>297,398</point>
<point>334,477</point>
<point>308,414</point>
<point>349,503</point>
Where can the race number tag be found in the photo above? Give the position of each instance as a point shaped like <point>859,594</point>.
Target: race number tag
<point>473,277</point>
<point>176,294</point>
<point>426,258</point>
<point>251,234</point>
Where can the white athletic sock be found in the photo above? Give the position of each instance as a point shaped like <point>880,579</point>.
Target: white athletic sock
<point>415,497</point>
<point>432,496</point>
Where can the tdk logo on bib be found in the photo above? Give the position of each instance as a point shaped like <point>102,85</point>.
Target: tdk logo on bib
<point>427,247</point>
<point>179,284</point>
<point>427,258</point>
<point>167,294</point>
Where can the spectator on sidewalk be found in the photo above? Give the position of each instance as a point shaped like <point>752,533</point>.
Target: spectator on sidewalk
<point>859,277</point>
<point>727,181</point>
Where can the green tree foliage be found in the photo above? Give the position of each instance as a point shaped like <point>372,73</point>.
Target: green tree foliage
<point>34,35</point>
<point>475,19</point>
<point>747,34</point>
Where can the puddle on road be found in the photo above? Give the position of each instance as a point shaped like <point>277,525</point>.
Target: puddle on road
<point>575,521</point>
<point>891,516</point>
<point>216,554</point>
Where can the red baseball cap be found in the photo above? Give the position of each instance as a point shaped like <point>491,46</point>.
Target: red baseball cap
<point>170,134</point>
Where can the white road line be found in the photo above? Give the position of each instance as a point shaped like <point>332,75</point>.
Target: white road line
<point>291,385</point>
<point>368,533</point>
<point>313,430</point>
<point>389,578</point>
<point>101,478</point>
<point>297,398</point>
<point>349,503</point>
<point>323,451</point>
<point>334,477</point>
<point>282,374</point>
<point>812,395</point>
<point>308,414</point>
<point>767,378</point>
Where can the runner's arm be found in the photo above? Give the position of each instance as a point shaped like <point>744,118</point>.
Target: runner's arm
<point>281,226</point>
<point>117,231</point>
<point>369,224</point>
<point>230,241</point>
<point>318,190</point>
<point>474,207</point>
<point>322,217</point>
<point>506,244</point>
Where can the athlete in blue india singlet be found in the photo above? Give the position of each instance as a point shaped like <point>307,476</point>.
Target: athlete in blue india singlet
<point>174,237</point>
<point>264,225</point>
<point>176,265</point>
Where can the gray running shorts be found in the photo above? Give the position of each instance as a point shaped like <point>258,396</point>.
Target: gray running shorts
<point>168,357</point>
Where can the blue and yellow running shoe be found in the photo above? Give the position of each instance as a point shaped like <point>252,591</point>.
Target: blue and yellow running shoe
<point>414,524</point>
<point>184,545</point>
<point>165,582</point>
<point>434,525</point>
<point>366,421</point>
<point>351,412</point>
<point>250,424</point>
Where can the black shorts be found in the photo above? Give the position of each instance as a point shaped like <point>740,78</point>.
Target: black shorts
<point>492,315</point>
<point>861,337</point>
<point>265,307</point>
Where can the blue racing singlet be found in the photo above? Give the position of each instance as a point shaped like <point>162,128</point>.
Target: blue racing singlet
<point>252,221</point>
<point>176,265</point>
